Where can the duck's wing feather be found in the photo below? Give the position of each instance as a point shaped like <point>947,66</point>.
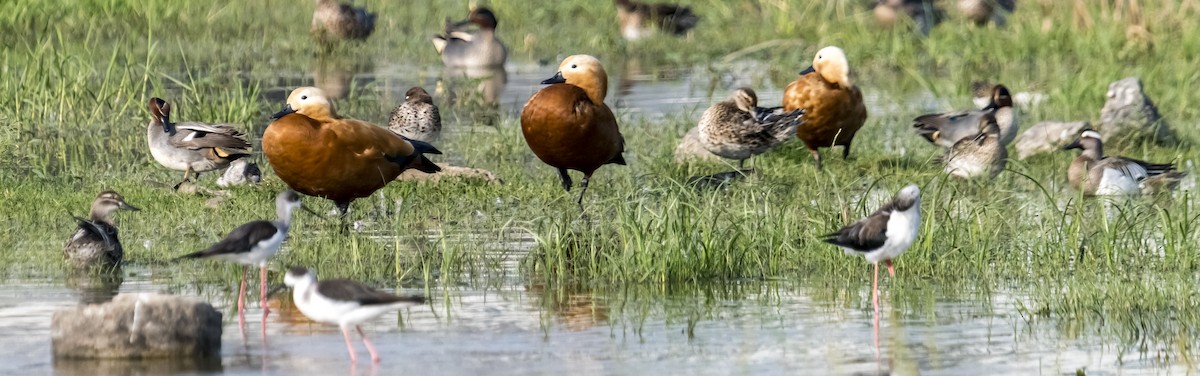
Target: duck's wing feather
<point>195,136</point>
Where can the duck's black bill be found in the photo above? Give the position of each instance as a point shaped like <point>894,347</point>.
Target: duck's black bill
<point>287,109</point>
<point>808,70</point>
<point>1073,145</point>
<point>557,79</point>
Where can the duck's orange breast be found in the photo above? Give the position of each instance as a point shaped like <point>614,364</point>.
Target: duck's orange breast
<point>833,114</point>
<point>338,159</point>
<point>566,129</point>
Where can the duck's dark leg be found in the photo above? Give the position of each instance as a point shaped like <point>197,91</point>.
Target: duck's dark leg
<point>343,207</point>
<point>846,150</point>
<point>566,179</point>
<point>741,164</point>
<point>583,184</point>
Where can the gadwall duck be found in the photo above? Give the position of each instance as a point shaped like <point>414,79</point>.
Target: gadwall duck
<point>639,20</point>
<point>738,129</point>
<point>982,11</point>
<point>318,153</point>
<point>567,124</point>
<point>461,48</point>
<point>333,22</point>
<point>1097,175</point>
<point>192,147</point>
<point>983,155</point>
<point>833,107</point>
<point>947,128</point>
<point>254,243</point>
<point>417,118</point>
<point>95,242</point>
<point>884,235</point>
<point>923,13</point>
<point>343,302</point>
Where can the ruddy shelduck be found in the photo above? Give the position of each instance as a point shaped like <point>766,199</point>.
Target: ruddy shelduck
<point>833,107</point>
<point>318,153</point>
<point>567,124</point>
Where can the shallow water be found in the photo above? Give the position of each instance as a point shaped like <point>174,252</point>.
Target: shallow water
<point>523,328</point>
<point>740,328</point>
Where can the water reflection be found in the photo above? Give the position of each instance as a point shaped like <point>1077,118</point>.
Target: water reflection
<point>337,74</point>
<point>131,367</point>
<point>475,90</point>
<point>95,286</point>
<point>574,306</point>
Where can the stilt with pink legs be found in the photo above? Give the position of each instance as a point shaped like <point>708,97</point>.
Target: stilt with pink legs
<point>343,302</point>
<point>253,244</point>
<point>884,235</point>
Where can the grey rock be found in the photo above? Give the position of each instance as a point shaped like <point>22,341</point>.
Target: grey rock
<point>691,148</point>
<point>1129,114</point>
<point>450,172</point>
<point>240,172</point>
<point>137,326</point>
<point>1048,136</point>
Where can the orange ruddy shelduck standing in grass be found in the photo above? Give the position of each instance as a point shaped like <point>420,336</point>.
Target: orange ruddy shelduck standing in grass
<point>318,153</point>
<point>834,109</point>
<point>567,124</point>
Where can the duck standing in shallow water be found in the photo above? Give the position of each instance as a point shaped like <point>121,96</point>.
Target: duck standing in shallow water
<point>567,124</point>
<point>334,22</point>
<point>95,241</point>
<point>738,129</point>
<point>343,302</point>
<point>983,155</point>
<point>884,235</point>
<point>947,128</point>
<point>318,153</point>
<point>482,48</point>
<point>417,118</point>
<point>639,20</point>
<point>833,107</point>
<point>254,243</point>
<point>192,147</point>
<point>1097,175</point>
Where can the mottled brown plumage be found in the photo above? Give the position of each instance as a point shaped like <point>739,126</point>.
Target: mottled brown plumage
<point>567,124</point>
<point>982,155</point>
<point>334,22</point>
<point>738,129</point>
<point>320,154</point>
<point>834,108</point>
<point>417,118</point>
<point>95,241</point>
<point>639,20</point>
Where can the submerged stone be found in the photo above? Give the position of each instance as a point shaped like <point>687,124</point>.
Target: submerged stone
<point>137,326</point>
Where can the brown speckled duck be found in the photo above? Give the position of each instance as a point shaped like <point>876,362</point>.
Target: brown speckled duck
<point>833,107</point>
<point>738,129</point>
<point>417,118</point>
<point>639,20</point>
<point>335,22</point>
<point>95,241</point>
<point>982,155</point>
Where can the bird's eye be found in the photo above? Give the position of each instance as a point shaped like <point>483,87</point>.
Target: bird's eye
<point>303,97</point>
<point>820,57</point>
<point>573,66</point>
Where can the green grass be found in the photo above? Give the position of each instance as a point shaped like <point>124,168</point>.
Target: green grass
<point>77,74</point>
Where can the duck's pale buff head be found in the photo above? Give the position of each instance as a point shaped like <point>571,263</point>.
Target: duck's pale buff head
<point>745,99</point>
<point>309,101</point>
<point>585,72</point>
<point>831,64</point>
